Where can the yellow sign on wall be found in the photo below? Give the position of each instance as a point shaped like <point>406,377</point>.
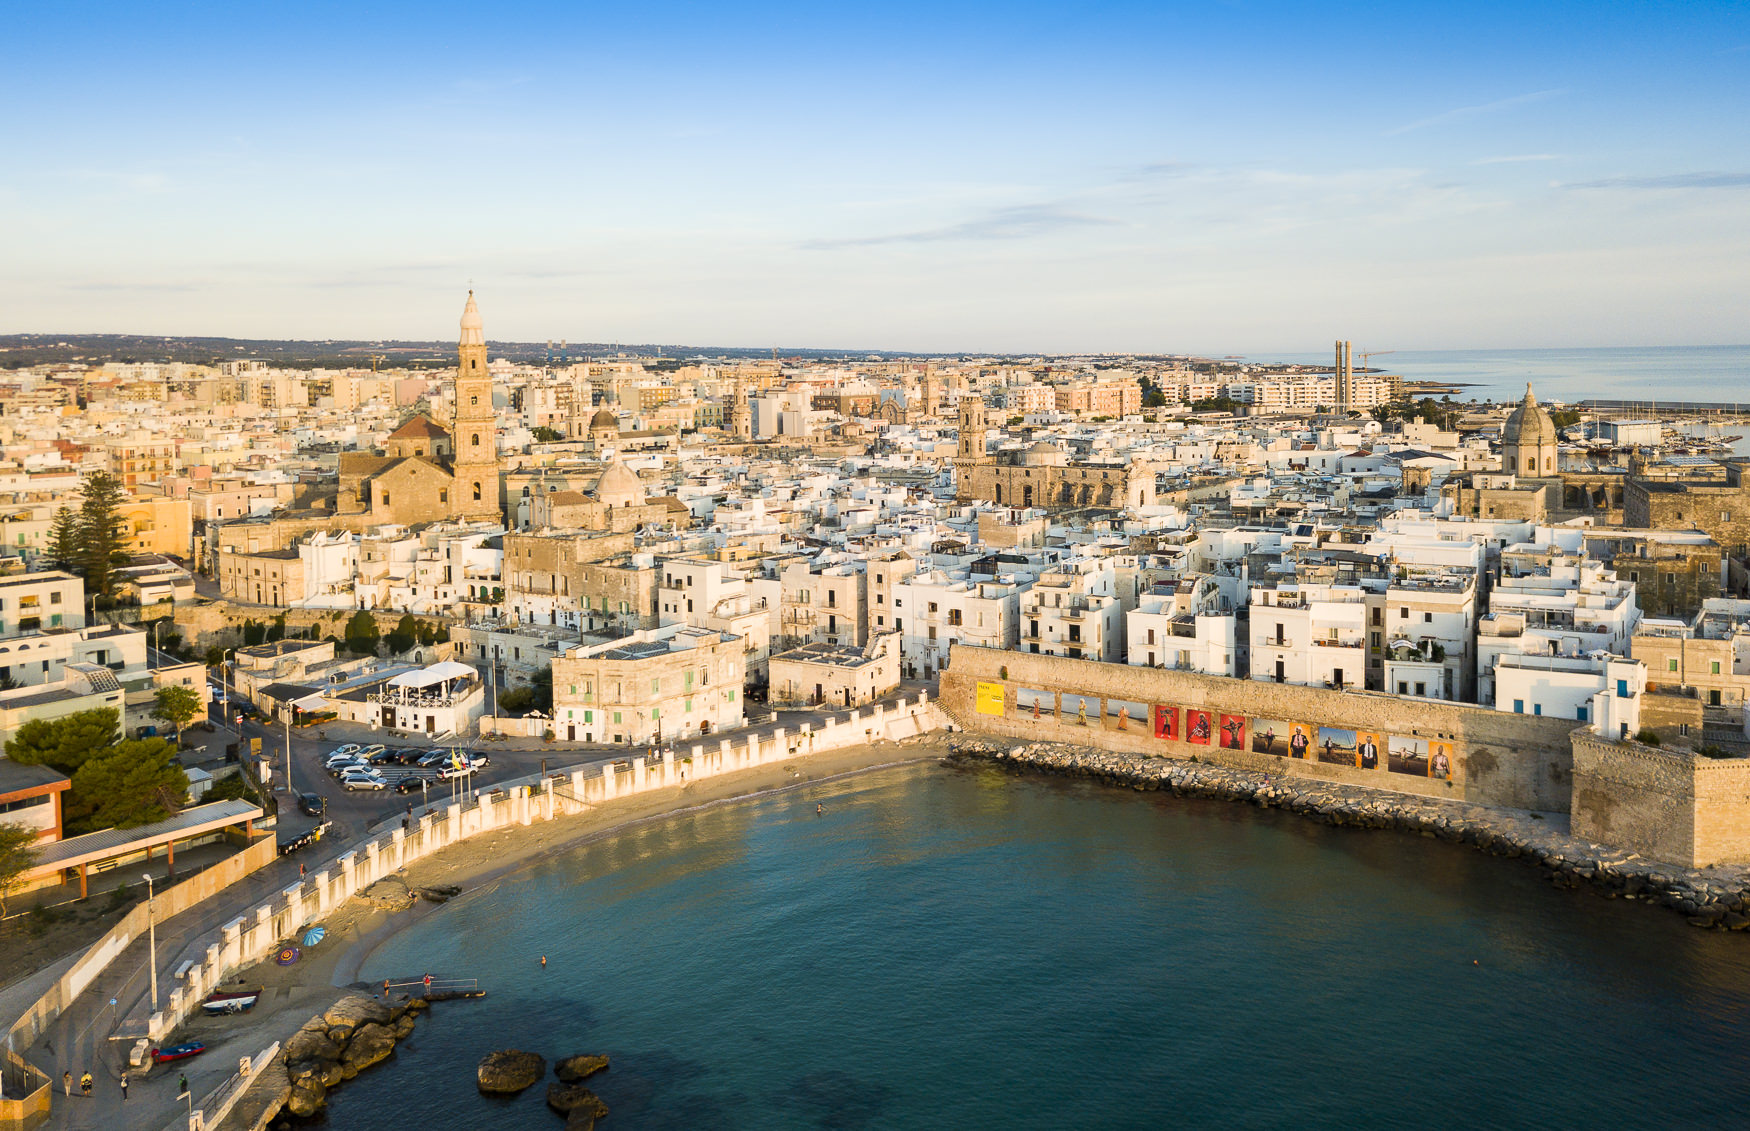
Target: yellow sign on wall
<point>990,698</point>
<point>255,746</point>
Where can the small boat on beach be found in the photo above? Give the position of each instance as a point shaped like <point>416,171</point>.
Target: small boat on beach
<point>178,1052</point>
<point>221,1002</point>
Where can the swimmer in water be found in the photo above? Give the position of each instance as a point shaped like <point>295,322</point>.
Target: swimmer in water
<point>819,809</point>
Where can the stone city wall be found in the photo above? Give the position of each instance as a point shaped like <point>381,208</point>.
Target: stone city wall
<point>1666,804</point>
<point>220,622</point>
<point>1492,757</point>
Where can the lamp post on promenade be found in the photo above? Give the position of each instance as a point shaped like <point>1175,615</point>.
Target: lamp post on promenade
<point>152,936</point>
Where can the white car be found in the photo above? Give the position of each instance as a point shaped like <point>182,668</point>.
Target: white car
<point>344,760</point>
<point>447,772</point>
<point>349,748</point>
<point>359,779</point>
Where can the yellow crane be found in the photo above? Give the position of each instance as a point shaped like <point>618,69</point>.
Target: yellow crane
<point>376,357</point>
<point>1374,353</point>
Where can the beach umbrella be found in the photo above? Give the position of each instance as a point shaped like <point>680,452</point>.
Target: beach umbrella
<point>287,955</point>
<point>315,935</point>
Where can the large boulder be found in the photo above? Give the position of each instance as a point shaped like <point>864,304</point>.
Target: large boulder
<point>389,894</point>
<point>404,1026</point>
<point>351,1011</point>
<point>580,1067</point>
<point>370,1044</point>
<point>312,1044</point>
<point>308,1097</point>
<point>568,1098</point>
<point>508,1071</point>
<point>580,1119</point>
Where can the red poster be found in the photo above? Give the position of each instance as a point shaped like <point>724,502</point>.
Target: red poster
<point>1233,732</point>
<point>1167,723</point>
<point>1197,727</point>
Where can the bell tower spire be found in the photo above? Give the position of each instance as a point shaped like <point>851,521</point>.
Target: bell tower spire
<point>474,494</point>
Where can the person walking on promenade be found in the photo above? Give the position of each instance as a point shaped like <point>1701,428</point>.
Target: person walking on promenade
<point>67,1084</point>
<point>124,1083</point>
<point>85,1085</point>
<point>181,1084</point>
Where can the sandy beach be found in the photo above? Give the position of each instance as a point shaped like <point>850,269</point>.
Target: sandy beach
<point>292,994</point>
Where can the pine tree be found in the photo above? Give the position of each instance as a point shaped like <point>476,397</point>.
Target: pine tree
<point>64,539</point>
<point>102,538</point>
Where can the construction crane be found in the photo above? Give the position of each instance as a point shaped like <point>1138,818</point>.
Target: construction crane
<point>1374,353</point>
<point>376,357</point>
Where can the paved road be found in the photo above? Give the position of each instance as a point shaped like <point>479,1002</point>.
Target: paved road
<point>79,1039</point>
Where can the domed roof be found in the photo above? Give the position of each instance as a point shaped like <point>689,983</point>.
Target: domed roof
<point>619,486</point>
<point>1045,454</point>
<point>604,419</point>
<point>473,326</point>
<point>1528,425</point>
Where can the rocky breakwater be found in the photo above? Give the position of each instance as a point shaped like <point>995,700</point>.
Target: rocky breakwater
<point>508,1071</point>
<point>337,1044</point>
<point>1717,898</point>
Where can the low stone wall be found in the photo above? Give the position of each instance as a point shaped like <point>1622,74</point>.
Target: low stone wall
<point>1710,898</point>
<point>1495,758</point>
<point>219,621</point>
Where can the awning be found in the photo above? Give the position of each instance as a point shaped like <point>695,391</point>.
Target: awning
<point>316,702</point>
<point>436,673</point>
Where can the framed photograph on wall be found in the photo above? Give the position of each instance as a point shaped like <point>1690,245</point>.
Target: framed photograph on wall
<point>1166,723</point>
<point>1233,732</point>
<point>1198,726</point>
<point>1122,714</point>
<point>1335,746</point>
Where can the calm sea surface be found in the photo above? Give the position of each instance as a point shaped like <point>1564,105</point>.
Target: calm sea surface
<point>968,949</point>
<point>1686,373</point>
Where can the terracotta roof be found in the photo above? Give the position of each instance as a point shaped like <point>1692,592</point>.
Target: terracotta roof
<point>419,427</point>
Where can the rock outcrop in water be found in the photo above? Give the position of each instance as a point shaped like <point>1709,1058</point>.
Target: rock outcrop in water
<point>340,1042</point>
<point>1718,898</point>
<point>508,1071</point>
<point>580,1067</point>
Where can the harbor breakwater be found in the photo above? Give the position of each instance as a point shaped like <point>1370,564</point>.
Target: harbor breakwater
<point>1717,898</point>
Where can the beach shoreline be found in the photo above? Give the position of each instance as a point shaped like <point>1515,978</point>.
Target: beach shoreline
<point>358,927</point>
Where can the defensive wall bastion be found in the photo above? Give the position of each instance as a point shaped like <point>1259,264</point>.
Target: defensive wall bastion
<point>1673,806</point>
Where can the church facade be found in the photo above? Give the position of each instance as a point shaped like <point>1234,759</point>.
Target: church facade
<point>1042,476</point>
<point>426,473</point>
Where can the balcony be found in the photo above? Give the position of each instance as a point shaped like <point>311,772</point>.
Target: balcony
<point>1275,642</point>
<point>1338,643</point>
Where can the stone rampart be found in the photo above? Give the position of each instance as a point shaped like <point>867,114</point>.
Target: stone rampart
<point>1491,757</point>
<point>1668,804</point>
<point>206,623</point>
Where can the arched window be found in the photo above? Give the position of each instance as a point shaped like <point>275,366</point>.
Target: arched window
<point>473,363</point>
<point>473,400</point>
<point>1512,464</point>
<point>476,439</point>
<point>476,492</point>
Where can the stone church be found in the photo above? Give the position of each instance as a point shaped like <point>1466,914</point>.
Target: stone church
<point>428,474</point>
<point>1043,475</point>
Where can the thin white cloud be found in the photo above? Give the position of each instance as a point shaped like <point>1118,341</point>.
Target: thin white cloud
<point>1517,158</point>
<point>1463,112</point>
<point>1706,180</point>
<point>1020,222</point>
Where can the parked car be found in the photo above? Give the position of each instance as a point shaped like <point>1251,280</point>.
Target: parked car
<point>347,768</point>
<point>479,760</point>
<point>435,758</point>
<point>372,751</point>
<point>447,772</point>
<point>312,804</point>
<point>410,785</point>
<point>344,760</point>
<point>359,779</point>
<point>349,748</point>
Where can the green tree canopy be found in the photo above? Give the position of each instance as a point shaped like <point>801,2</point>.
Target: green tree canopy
<point>17,855</point>
<point>65,743</point>
<point>177,706</point>
<point>133,783</point>
<point>361,634</point>
<point>65,540</point>
<point>545,435</point>
<point>102,538</point>
<point>404,635</point>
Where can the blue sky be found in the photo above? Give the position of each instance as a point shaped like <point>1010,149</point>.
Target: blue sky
<point>1216,177</point>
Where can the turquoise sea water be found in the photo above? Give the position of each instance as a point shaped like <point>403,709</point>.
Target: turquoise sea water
<point>1652,374</point>
<point>963,948</point>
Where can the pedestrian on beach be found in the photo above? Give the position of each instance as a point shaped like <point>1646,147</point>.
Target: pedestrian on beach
<point>67,1084</point>
<point>85,1085</point>
<point>124,1082</point>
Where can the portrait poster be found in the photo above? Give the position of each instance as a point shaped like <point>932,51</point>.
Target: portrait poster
<point>1271,736</point>
<point>1440,760</point>
<point>1167,723</point>
<point>1406,755</point>
<point>1369,749</point>
<point>1335,746</point>
<point>1233,732</point>
<point>1080,710</point>
<point>1033,702</point>
<point>990,698</point>
<point>1300,740</point>
<point>1123,714</point>
<point>1198,726</point>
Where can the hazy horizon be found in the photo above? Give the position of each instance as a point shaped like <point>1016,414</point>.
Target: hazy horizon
<point>1125,178</point>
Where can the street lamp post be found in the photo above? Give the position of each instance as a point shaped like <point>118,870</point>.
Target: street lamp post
<point>152,937</point>
<point>236,721</point>
<point>156,625</point>
<point>288,722</point>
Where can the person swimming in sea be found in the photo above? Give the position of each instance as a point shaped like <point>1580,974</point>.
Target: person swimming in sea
<point>819,810</point>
